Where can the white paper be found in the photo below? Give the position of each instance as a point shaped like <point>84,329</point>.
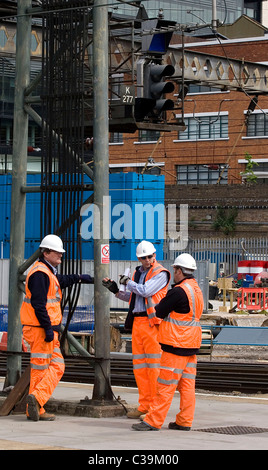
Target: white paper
<point>123,288</point>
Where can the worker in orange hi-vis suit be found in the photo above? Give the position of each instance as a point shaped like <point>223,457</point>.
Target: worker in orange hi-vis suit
<point>41,317</point>
<point>180,337</point>
<point>148,286</point>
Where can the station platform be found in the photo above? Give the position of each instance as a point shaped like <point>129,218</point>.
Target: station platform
<point>217,417</point>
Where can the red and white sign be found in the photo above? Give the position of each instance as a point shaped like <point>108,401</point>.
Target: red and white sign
<point>105,254</point>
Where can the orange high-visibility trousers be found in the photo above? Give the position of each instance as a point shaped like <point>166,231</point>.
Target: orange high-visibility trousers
<point>176,373</point>
<point>47,364</point>
<point>146,354</point>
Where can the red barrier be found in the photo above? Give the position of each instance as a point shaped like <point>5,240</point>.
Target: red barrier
<point>252,298</point>
<point>3,342</point>
<point>243,269</point>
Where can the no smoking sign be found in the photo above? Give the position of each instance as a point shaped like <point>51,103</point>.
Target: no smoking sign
<point>105,254</point>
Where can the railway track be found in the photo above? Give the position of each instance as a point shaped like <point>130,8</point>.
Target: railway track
<point>213,376</point>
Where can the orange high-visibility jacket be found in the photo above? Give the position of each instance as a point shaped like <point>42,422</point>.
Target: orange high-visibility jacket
<point>184,330</point>
<point>151,302</point>
<point>54,296</point>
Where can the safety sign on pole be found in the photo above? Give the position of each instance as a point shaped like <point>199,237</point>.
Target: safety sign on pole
<point>105,254</point>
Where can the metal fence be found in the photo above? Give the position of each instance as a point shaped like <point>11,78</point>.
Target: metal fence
<point>223,254</point>
<point>212,256</point>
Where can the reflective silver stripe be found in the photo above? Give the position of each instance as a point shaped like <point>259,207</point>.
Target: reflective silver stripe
<point>58,359</point>
<point>192,296</point>
<point>143,356</point>
<point>188,376</point>
<point>57,350</point>
<point>192,365</point>
<point>179,371</point>
<point>155,269</point>
<point>181,322</point>
<point>151,315</point>
<point>138,356</point>
<point>41,355</point>
<point>192,322</point>
<point>36,268</point>
<point>147,365</point>
<point>57,293</point>
<point>172,369</point>
<point>150,302</point>
<point>39,367</point>
<point>41,267</point>
<point>167,382</point>
<point>49,301</point>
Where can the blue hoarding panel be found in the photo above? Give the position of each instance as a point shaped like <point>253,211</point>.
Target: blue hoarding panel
<point>135,211</point>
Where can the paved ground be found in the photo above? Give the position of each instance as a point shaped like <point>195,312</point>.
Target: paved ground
<point>115,435</point>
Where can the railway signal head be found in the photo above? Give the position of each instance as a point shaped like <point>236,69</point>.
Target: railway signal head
<point>155,86</point>
<point>153,102</point>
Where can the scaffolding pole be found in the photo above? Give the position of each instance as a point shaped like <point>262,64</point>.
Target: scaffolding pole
<point>18,199</point>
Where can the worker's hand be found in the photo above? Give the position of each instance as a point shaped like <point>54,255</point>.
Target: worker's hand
<point>110,285</point>
<point>86,279</point>
<point>49,335</point>
<point>123,279</point>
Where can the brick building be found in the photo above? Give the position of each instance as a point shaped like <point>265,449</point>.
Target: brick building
<point>203,165</point>
<point>216,141</point>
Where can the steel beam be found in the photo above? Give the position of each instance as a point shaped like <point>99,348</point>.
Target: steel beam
<point>217,71</point>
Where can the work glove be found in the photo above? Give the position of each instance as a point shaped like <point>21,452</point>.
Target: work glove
<point>123,279</point>
<point>49,335</point>
<point>86,279</point>
<point>110,285</point>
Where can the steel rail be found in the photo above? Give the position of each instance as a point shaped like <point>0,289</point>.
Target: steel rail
<point>213,376</point>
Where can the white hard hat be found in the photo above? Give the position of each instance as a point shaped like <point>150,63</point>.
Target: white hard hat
<point>52,242</point>
<point>145,248</point>
<point>185,261</point>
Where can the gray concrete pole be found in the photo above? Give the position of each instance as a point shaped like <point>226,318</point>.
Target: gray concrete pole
<point>101,390</point>
<point>18,203</point>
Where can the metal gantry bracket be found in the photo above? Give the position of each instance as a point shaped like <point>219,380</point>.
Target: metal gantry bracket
<point>217,71</point>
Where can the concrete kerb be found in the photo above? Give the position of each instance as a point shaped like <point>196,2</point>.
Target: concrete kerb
<point>88,408</point>
<point>83,407</point>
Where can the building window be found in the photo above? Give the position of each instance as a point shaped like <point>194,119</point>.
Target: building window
<point>116,138</point>
<point>6,132</point>
<point>195,88</point>
<point>205,127</point>
<point>202,174</point>
<point>257,124</point>
<point>7,87</point>
<point>3,38</point>
<point>148,136</point>
<point>34,135</point>
<point>116,169</point>
<point>149,170</point>
<point>260,170</point>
